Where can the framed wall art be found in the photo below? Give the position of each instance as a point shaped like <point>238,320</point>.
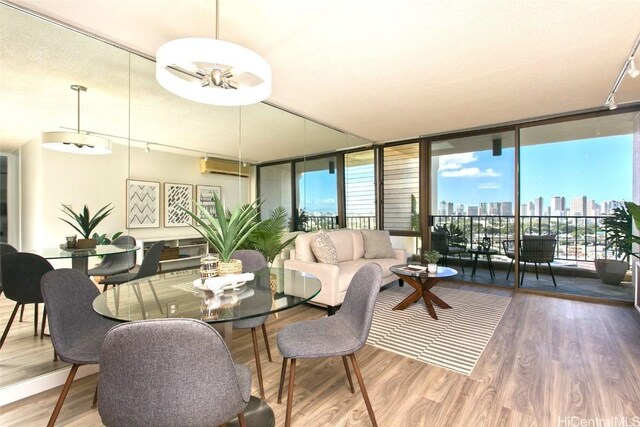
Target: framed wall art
<point>205,196</point>
<point>143,204</point>
<point>177,196</point>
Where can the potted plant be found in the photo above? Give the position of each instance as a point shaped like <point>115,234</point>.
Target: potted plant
<point>619,238</point>
<point>85,223</point>
<point>225,233</point>
<point>431,258</point>
<point>267,238</point>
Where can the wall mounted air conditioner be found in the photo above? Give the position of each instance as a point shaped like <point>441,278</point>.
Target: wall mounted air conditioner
<point>225,167</point>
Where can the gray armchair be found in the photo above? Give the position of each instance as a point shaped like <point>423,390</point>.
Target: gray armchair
<point>170,372</point>
<point>76,329</point>
<point>254,261</point>
<point>339,335</point>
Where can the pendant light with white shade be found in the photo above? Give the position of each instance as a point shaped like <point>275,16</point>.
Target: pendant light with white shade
<point>212,71</point>
<point>76,142</point>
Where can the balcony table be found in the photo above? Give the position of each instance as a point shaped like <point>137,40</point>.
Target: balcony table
<point>173,294</point>
<point>80,257</point>
<point>486,252</point>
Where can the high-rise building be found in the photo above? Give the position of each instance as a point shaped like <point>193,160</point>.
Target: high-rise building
<point>506,208</point>
<point>460,209</point>
<point>443,208</point>
<point>532,209</point>
<point>483,209</point>
<point>449,209</point>
<point>524,209</point>
<point>472,211</point>
<point>558,206</point>
<point>538,203</point>
<point>579,206</point>
<point>494,208</point>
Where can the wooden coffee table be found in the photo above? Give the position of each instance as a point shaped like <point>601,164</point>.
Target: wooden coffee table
<point>422,282</point>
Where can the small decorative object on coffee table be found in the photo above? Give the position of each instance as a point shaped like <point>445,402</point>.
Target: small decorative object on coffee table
<point>422,282</point>
<point>431,258</point>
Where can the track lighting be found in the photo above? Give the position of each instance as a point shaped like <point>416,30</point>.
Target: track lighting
<point>632,70</point>
<point>147,149</point>
<point>612,103</point>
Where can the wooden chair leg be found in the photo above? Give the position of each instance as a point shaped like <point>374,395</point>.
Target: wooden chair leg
<point>292,375</point>
<point>95,397</point>
<point>6,329</point>
<point>21,312</point>
<point>63,395</point>
<point>44,322</point>
<point>282,372</point>
<point>266,342</point>
<point>346,368</point>
<point>35,320</point>
<point>256,353</point>
<point>356,369</point>
<point>104,287</point>
<point>241,420</point>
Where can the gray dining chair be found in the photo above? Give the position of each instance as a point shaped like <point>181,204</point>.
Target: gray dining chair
<point>21,274</point>
<point>148,267</point>
<point>339,335</point>
<point>76,329</point>
<point>170,372</point>
<point>116,263</point>
<point>5,248</point>
<point>253,261</point>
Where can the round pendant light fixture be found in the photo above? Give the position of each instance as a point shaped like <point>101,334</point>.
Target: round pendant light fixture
<point>212,71</point>
<point>78,143</point>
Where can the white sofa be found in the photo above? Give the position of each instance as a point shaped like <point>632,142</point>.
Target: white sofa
<point>335,279</point>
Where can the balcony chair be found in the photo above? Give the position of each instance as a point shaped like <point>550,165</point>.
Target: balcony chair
<point>440,242</point>
<point>116,263</point>
<point>339,335</point>
<point>533,249</point>
<point>21,274</point>
<point>5,248</point>
<point>76,329</point>
<point>170,372</point>
<point>254,261</point>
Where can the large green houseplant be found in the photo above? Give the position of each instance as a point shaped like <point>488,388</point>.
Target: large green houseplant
<point>226,232</point>
<point>267,237</point>
<point>84,223</point>
<point>619,238</point>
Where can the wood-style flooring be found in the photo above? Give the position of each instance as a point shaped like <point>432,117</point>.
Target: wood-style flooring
<point>550,362</point>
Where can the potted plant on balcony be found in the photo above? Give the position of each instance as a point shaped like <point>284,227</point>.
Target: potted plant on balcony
<point>619,238</point>
<point>226,232</point>
<point>431,258</point>
<point>85,223</point>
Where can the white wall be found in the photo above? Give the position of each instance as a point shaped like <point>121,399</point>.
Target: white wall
<point>50,178</point>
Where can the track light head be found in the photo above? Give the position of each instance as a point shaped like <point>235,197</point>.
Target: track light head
<point>611,103</point>
<point>147,149</point>
<point>632,70</point>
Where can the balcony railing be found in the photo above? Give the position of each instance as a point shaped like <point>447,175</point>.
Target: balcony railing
<point>579,238</point>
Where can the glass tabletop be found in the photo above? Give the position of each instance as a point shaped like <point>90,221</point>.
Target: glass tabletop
<point>173,294</point>
<point>99,250</point>
<point>407,270</point>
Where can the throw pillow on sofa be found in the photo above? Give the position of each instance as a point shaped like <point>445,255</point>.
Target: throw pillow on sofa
<point>324,249</point>
<point>377,244</point>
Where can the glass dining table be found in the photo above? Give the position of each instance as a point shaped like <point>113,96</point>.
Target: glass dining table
<point>179,294</point>
<point>80,257</point>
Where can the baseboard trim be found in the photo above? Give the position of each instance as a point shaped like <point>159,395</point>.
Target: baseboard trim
<point>24,389</point>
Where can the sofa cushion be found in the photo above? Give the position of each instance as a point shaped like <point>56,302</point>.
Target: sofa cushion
<point>386,263</point>
<point>358,244</point>
<point>323,248</point>
<point>343,242</point>
<point>377,244</point>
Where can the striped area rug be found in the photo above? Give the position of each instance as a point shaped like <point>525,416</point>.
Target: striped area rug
<point>455,341</point>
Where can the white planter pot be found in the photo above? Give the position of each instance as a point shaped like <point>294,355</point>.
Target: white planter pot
<point>611,271</point>
<point>432,268</point>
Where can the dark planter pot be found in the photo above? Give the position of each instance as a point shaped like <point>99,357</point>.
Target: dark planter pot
<point>611,271</point>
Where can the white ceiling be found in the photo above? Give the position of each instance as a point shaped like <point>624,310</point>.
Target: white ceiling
<point>398,69</point>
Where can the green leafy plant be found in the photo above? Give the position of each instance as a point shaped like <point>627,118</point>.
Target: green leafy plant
<point>102,239</point>
<point>455,235</point>
<point>618,229</point>
<point>225,233</point>
<point>84,222</point>
<point>431,257</point>
<point>301,220</point>
<point>267,236</point>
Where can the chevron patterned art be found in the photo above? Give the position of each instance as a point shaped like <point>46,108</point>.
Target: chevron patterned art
<point>175,197</point>
<point>143,204</point>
